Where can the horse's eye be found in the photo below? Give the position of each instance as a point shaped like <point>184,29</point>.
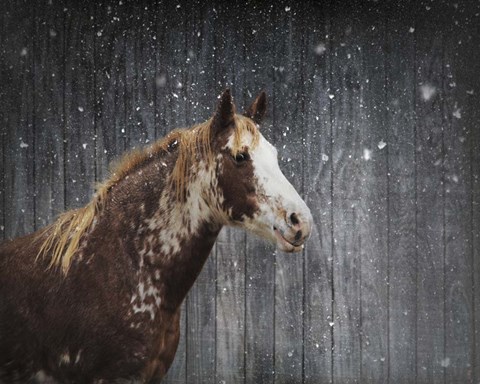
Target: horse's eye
<point>242,157</point>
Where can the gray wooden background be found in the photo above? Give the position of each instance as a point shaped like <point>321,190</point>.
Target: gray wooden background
<point>374,107</point>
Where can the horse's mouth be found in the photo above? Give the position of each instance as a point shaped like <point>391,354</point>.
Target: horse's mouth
<point>285,245</point>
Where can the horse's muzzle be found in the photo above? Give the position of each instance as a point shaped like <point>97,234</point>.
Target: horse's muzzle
<point>292,235</point>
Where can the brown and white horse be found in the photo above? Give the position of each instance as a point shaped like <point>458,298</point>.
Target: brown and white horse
<point>95,297</point>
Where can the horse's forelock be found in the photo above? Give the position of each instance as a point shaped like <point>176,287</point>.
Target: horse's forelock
<point>243,126</point>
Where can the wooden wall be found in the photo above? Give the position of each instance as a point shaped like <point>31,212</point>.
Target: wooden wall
<point>374,107</point>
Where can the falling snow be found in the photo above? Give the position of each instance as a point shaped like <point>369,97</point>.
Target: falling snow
<point>320,49</point>
<point>427,91</point>
<point>161,81</point>
<point>367,154</point>
<point>445,362</point>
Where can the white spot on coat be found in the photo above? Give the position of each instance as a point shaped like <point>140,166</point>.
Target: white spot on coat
<point>77,358</point>
<point>64,359</point>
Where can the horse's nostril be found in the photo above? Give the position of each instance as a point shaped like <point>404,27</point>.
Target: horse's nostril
<point>294,219</point>
<point>298,235</point>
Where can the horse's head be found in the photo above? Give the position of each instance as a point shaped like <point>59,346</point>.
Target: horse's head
<point>252,191</point>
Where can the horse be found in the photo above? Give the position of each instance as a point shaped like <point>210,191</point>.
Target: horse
<point>95,297</point>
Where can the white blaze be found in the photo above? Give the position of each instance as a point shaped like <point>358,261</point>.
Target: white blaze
<point>277,198</point>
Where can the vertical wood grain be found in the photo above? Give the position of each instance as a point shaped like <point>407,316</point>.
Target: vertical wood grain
<point>110,29</point>
<point>346,98</point>
<point>471,104</point>
<point>400,120</point>
<point>474,153</point>
<point>19,105</point>
<point>230,306</point>
<point>79,92</point>
<point>140,69</point>
<point>460,123</point>
<point>3,121</point>
<point>317,188</point>
<point>373,206</point>
<point>289,101</point>
<point>430,192</point>
<point>49,118</point>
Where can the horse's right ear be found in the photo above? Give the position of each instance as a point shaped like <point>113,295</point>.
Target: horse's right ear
<point>257,110</point>
<point>225,112</point>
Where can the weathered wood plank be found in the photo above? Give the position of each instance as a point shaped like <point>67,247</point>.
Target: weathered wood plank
<point>161,62</point>
<point>110,29</point>
<point>140,70</point>
<point>373,205</point>
<point>345,94</point>
<point>230,347</point>
<point>3,120</point>
<point>260,301</point>
<point>289,102</point>
<point>49,115</point>
<point>471,105</point>
<point>79,92</point>
<point>460,45</point>
<point>318,193</point>
<point>18,84</point>
<point>400,120</point>
<point>430,192</point>
<point>174,53</point>
<point>251,73</point>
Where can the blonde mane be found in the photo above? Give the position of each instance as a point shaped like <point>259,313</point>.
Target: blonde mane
<point>64,235</point>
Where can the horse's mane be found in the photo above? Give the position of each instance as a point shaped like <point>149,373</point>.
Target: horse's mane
<point>64,235</point>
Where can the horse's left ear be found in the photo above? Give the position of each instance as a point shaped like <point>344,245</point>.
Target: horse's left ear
<point>257,110</point>
<point>225,112</point>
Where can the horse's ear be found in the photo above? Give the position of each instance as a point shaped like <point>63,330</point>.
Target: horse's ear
<point>225,112</point>
<point>257,110</point>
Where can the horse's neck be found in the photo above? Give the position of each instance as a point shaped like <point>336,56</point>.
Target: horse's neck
<point>174,244</point>
<point>168,241</point>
